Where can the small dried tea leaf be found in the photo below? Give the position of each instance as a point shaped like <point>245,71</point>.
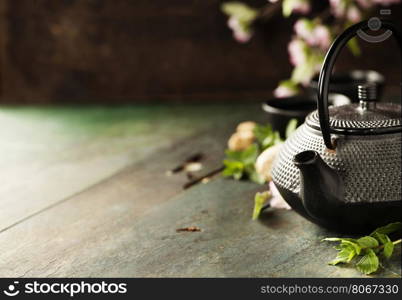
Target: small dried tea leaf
<point>189,229</point>
<point>193,167</point>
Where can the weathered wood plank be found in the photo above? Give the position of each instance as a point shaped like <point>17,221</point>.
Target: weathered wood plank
<point>126,226</point>
<point>125,51</point>
<point>125,196</point>
<point>48,155</point>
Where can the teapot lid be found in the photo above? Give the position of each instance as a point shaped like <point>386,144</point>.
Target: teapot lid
<point>365,117</point>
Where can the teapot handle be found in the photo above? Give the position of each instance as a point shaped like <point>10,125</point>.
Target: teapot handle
<point>326,70</point>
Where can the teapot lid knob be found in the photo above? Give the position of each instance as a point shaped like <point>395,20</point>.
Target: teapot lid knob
<point>367,95</point>
<point>367,92</point>
<point>392,118</point>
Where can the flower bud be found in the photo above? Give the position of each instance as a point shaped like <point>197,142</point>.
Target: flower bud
<point>240,140</point>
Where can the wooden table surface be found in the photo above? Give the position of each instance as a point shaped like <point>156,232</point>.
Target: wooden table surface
<point>85,193</point>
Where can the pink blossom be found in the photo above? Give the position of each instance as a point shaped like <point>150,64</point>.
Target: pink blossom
<point>338,7</point>
<point>322,36</point>
<point>343,8</point>
<point>297,51</point>
<point>277,201</point>
<point>365,3</point>
<point>304,29</point>
<point>295,6</point>
<point>301,7</point>
<point>315,35</point>
<point>240,34</point>
<point>233,23</point>
<point>354,14</point>
<point>386,2</point>
<point>284,91</point>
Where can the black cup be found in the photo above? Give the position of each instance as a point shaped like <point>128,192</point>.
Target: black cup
<point>281,110</point>
<point>346,83</point>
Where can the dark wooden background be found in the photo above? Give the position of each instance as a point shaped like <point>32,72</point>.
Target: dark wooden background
<point>122,51</point>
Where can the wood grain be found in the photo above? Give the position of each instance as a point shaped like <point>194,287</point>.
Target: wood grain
<point>126,51</point>
<point>121,219</point>
<point>51,154</point>
<point>121,230</point>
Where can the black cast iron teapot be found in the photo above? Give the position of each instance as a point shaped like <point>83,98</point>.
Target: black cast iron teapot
<point>342,168</point>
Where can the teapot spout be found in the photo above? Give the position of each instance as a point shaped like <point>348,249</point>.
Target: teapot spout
<point>321,187</point>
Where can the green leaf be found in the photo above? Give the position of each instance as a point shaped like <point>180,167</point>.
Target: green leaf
<point>388,229</point>
<point>255,177</point>
<point>367,246</point>
<point>352,44</point>
<point>381,238</point>
<point>268,142</point>
<point>339,240</point>
<point>291,127</point>
<point>266,137</point>
<point>388,249</point>
<point>305,72</point>
<point>368,263</point>
<point>277,138</point>
<point>241,163</point>
<point>290,85</point>
<point>367,242</point>
<point>354,47</point>
<point>308,24</point>
<point>346,255</point>
<point>249,155</point>
<point>289,5</point>
<point>262,132</point>
<point>259,200</point>
<point>246,156</point>
<point>345,242</point>
<point>241,11</point>
<point>233,169</point>
<point>233,155</point>
<point>357,248</point>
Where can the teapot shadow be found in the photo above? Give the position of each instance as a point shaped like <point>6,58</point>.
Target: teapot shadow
<point>272,219</point>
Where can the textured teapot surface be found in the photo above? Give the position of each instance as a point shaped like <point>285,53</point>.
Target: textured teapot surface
<point>369,165</point>
<point>342,168</point>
